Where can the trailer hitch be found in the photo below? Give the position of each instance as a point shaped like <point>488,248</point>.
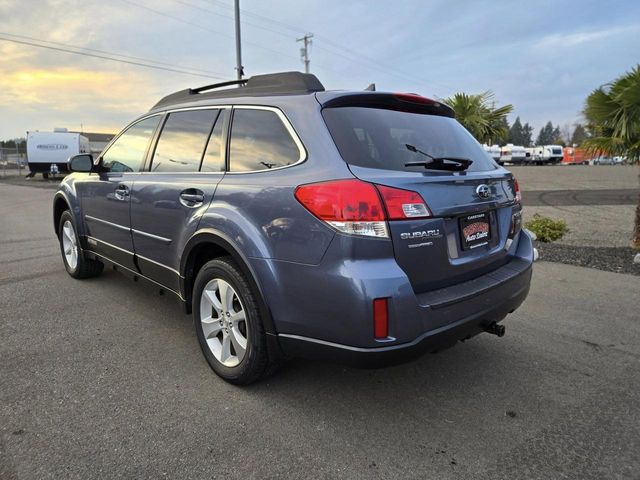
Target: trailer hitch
<point>495,329</point>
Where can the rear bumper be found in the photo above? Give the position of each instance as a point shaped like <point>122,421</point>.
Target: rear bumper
<point>333,320</point>
<point>496,308</point>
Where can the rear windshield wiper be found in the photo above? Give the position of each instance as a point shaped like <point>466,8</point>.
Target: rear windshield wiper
<point>438,163</point>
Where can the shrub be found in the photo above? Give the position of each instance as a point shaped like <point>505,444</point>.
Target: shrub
<point>547,229</point>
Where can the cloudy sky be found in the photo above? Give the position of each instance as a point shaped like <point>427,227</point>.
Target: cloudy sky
<point>543,57</point>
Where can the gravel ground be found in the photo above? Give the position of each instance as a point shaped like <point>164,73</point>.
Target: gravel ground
<point>599,237</point>
<point>611,259</point>
<point>569,177</point>
<point>591,225</point>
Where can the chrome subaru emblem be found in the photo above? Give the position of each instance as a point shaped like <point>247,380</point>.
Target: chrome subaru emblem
<point>483,191</point>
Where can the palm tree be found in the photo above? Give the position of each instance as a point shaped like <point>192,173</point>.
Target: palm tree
<point>478,114</point>
<point>613,115</point>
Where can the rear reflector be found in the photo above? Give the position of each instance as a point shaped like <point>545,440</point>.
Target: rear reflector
<point>380,318</point>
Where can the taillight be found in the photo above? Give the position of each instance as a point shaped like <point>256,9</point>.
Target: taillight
<point>360,208</point>
<point>516,217</point>
<point>403,204</point>
<point>350,206</point>
<point>516,188</point>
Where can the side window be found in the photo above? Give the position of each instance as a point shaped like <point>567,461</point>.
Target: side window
<point>126,154</point>
<point>182,141</point>
<point>214,156</point>
<point>260,141</point>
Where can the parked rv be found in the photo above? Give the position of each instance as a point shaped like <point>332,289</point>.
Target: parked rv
<point>545,154</point>
<point>48,149</point>
<point>511,153</point>
<point>493,151</point>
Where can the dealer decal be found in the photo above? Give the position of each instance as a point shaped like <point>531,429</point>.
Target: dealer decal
<point>476,231</point>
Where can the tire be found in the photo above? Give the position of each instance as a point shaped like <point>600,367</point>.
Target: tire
<point>231,324</point>
<point>75,262</point>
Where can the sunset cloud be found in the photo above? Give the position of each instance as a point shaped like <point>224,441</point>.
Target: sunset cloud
<point>538,58</point>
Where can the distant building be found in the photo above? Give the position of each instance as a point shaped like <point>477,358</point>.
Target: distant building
<point>97,141</point>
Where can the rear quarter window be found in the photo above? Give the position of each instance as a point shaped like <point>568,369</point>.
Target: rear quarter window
<point>377,138</point>
<point>260,141</point>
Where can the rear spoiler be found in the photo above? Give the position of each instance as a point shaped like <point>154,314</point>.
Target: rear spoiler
<point>404,102</point>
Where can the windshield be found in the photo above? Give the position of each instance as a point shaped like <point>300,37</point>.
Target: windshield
<point>378,138</point>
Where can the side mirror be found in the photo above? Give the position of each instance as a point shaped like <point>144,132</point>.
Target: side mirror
<point>81,163</point>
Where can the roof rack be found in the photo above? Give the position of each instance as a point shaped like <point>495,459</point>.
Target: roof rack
<point>218,85</point>
<point>285,83</point>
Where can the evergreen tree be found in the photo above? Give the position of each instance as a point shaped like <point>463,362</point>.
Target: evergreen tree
<point>548,135</point>
<point>527,135</point>
<point>557,137</point>
<point>516,133</point>
<point>579,135</point>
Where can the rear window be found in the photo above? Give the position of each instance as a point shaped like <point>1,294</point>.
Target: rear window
<point>377,138</point>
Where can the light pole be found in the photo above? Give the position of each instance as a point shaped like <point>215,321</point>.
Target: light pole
<point>239,68</point>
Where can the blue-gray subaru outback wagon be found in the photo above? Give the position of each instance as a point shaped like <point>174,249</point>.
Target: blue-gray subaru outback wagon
<point>353,226</point>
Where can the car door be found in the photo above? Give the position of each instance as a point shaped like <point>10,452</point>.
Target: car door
<point>168,200</point>
<point>106,196</point>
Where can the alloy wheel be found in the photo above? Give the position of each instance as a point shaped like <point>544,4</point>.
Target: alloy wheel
<point>70,245</point>
<point>223,322</point>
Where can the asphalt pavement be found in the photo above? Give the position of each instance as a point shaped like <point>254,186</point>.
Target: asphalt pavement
<point>553,198</point>
<point>103,378</point>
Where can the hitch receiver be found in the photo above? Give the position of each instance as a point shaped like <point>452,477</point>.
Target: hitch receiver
<point>495,329</point>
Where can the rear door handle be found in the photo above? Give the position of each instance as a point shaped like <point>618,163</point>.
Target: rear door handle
<point>122,192</point>
<point>191,197</point>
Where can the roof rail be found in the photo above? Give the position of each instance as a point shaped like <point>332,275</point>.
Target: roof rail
<point>285,83</point>
<point>218,85</point>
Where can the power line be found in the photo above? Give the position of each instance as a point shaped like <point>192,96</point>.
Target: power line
<point>146,60</point>
<point>353,55</point>
<point>104,57</point>
<point>187,22</point>
<point>245,22</point>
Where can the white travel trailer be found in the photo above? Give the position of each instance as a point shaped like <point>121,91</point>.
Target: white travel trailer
<point>545,154</point>
<point>493,151</point>
<point>45,149</point>
<point>511,153</point>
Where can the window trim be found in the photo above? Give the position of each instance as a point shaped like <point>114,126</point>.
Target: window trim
<point>226,120</point>
<point>152,151</point>
<point>152,142</point>
<point>227,138</point>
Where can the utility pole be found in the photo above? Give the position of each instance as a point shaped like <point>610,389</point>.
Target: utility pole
<point>304,51</point>
<point>239,67</point>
